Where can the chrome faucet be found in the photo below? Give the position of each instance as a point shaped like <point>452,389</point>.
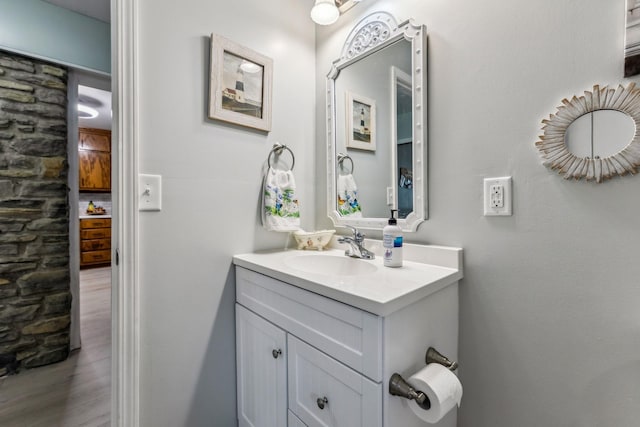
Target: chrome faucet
<point>356,245</point>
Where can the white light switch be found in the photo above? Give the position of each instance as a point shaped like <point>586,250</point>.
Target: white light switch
<point>149,192</point>
<point>390,196</point>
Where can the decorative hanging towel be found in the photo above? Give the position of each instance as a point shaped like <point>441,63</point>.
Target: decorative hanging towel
<point>348,197</point>
<point>280,210</point>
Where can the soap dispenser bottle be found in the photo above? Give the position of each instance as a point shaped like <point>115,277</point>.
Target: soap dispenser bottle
<point>392,243</point>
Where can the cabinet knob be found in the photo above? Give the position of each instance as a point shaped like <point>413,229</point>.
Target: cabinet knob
<point>276,353</point>
<point>322,401</point>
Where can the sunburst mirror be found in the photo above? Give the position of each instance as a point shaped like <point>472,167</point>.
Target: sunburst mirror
<point>595,136</point>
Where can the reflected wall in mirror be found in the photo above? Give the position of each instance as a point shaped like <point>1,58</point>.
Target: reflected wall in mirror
<point>377,119</point>
<point>594,136</point>
<point>600,134</point>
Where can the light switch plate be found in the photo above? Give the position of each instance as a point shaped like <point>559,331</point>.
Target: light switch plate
<point>497,196</point>
<point>149,192</point>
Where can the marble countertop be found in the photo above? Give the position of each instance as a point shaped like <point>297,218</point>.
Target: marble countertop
<point>95,216</point>
<point>380,290</point>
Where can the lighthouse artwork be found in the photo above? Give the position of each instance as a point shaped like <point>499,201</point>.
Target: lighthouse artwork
<point>241,85</point>
<point>361,114</point>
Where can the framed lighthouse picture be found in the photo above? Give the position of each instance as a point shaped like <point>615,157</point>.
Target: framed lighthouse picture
<point>361,122</point>
<point>240,86</point>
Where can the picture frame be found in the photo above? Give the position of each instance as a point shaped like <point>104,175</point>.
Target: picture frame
<point>240,85</point>
<point>632,39</point>
<point>361,122</point>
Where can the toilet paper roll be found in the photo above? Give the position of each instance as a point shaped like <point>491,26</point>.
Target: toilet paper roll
<point>442,387</point>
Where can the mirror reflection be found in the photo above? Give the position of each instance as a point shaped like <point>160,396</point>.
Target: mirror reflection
<point>364,106</point>
<point>402,99</point>
<point>600,133</point>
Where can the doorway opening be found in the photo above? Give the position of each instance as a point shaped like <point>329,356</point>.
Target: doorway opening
<point>52,390</point>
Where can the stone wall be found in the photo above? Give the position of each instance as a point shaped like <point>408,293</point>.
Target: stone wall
<point>35,298</point>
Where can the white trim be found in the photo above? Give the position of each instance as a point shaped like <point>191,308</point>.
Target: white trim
<point>125,390</point>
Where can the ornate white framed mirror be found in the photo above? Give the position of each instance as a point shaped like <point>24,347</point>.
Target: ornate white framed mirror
<point>378,83</point>
<point>595,136</point>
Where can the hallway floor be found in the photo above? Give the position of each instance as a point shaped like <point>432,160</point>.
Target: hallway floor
<point>76,392</point>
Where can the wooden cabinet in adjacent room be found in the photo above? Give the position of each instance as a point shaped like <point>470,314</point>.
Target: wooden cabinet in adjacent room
<point>94,158</point>
<point>95,241</point>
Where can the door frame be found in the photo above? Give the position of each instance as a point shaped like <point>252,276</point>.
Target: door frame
<point>125,372</point>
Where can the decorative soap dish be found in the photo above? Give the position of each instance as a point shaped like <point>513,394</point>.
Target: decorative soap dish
<point>313,239</point>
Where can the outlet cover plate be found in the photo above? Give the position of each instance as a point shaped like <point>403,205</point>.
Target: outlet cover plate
<point>504,184</point>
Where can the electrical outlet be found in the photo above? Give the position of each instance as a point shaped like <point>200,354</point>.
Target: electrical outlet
<point>390,196</point>
<point>497,196</point>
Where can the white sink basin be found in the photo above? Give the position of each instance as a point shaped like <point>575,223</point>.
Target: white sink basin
<point>331,265</point>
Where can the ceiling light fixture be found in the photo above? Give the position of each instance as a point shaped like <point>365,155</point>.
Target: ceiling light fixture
<point>325,12</point>
<point>85,112</point>
<point>250,67</point>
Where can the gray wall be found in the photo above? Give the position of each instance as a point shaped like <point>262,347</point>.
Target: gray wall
<point>549,306</point>
<point>211,185</point>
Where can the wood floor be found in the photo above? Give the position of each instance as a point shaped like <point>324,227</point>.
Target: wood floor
<point>76,392</point>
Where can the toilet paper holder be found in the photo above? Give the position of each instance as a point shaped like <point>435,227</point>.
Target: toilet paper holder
<point>434,356</point>
<point>398,386</point>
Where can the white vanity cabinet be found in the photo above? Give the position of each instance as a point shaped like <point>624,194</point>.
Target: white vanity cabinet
<point>334,360</point>
<point>322,336</point>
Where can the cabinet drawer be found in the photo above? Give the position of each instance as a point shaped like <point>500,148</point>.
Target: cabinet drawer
<point>95,223</point>
<point>95,233</point>
<point>350,335</point>
<point>95,256</point>
<point>323,392</point>
<point>95,245</point>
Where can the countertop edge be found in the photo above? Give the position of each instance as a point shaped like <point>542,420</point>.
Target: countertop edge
<point>378,308</point>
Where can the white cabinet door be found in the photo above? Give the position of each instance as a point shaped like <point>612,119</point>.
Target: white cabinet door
<point>262,371</point>
<point>325,393</point>
<point>295,421</point>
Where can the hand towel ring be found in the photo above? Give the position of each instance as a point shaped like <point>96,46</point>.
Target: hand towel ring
<point>277,150</point>
<point>342,157</point>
